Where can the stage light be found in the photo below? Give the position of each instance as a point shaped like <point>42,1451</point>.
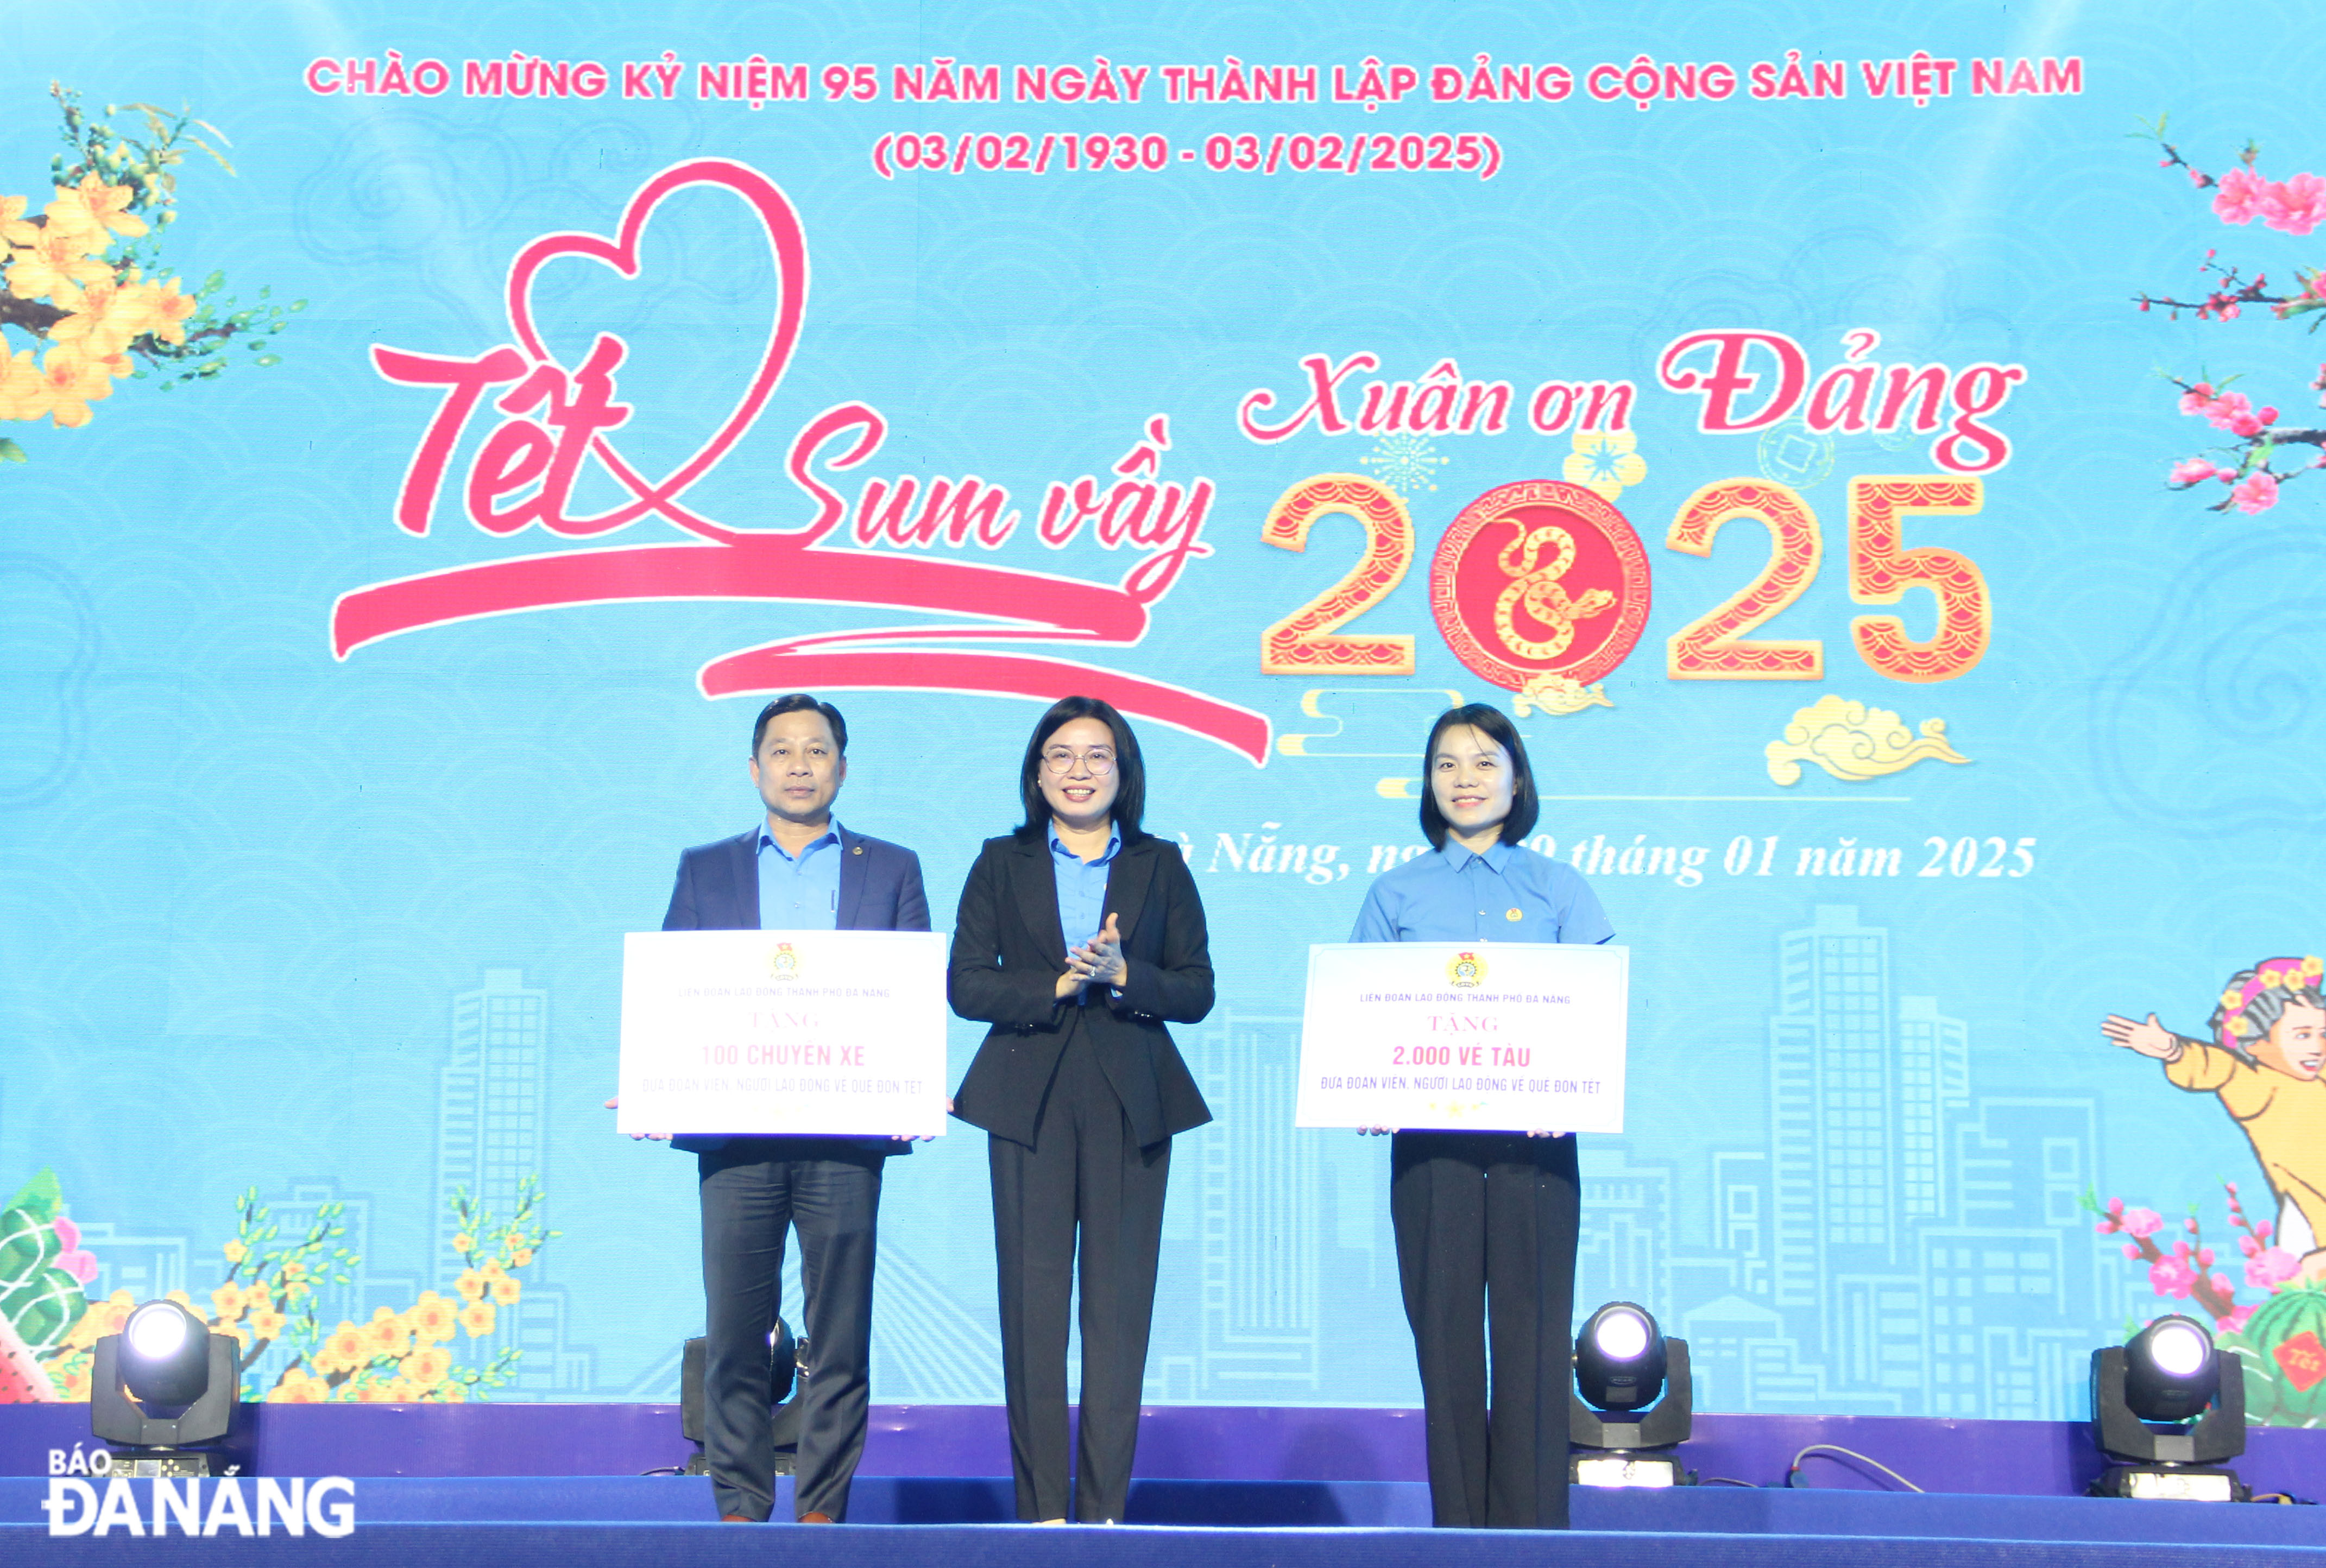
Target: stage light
<point>161,1389</point>
<point>2168,1409</point>
<point>787,1364</point>
<point>1623,1362</point>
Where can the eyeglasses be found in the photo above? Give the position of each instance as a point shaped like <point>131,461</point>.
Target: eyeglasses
<point>1098,760</point>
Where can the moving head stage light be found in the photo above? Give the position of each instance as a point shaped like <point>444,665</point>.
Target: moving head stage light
<point>161,1389</point>
<point>1622,1363</point>
<point>787,1366</point>
<point>2168,1408</point>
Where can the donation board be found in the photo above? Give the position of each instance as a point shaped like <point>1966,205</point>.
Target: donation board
<point>765,1032</point>
<point>1480,1036</point>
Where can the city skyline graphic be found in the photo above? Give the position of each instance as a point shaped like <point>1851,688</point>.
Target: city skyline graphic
<point>1893,1240</point>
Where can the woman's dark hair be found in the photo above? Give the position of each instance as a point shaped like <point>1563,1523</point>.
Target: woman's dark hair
<point>1130,772</point>
<point>1496,726</point>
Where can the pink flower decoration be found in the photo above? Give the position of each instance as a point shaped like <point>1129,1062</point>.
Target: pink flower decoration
<point>2143,1221</point>
<point>2238,199</point>
<point>2271,1268</point>
<point>2205,1256</point>
<point>2257,494</point>
<point>2235,1319</point>
<point>2296,207</point>
<point>2225,411</point>
<point>2262,1228</point>
<point>2221,1285</point>
<point>81,1266</point>
<point>2132,1252</point>
<point>2191,471</point>
<point>2172,1276</point>
<point>2198,399</point>
<point>68,1233</point>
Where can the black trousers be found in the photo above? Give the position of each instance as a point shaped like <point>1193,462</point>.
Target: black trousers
<point>1085,1174</point>
<point>753,1191</point>
<point>1489,1219</point>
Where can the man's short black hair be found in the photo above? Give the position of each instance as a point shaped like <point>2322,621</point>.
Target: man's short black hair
<point>1129,770</point>
<point>800,702</point>
<point>1496,726</point>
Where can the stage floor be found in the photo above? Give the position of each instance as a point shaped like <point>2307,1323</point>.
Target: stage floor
<point>1236,1487</point>
<point>585,1521</point>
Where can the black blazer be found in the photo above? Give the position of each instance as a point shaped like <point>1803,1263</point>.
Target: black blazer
<point>1008,951</point>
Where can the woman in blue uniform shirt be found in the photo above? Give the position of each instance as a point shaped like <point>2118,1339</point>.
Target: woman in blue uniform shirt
<point>1482,1216</point>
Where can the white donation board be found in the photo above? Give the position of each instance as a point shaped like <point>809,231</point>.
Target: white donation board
<point>1475,1036</point>
<point>835,1033</point>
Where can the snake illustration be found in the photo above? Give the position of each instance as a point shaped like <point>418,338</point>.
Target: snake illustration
<point>1538,590</point>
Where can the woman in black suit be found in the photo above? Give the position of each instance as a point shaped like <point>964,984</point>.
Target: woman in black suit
<point>1078,935</point>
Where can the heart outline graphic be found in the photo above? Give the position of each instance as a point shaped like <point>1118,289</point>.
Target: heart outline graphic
<point>786,239</point>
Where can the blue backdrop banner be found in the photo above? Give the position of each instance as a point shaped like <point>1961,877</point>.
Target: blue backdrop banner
<point>1874,458</point>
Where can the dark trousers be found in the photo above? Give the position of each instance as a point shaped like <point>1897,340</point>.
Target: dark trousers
<point>1490,1220</point>
<point>754,1190</point>
<point>1086,1172</point>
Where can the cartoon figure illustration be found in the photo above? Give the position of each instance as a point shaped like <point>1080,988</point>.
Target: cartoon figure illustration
<point>2270,1042</point>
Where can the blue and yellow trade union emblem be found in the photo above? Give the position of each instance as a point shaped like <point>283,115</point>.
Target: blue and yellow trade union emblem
<point>1466,969</point>
<point>783,965</point>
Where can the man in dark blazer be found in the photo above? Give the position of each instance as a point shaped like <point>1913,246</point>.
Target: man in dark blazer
<point>798,870</point>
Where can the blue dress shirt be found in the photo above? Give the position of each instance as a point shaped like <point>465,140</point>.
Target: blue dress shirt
<point>799,893</point>
<point>1509,893</point>
<point>1081,890</point>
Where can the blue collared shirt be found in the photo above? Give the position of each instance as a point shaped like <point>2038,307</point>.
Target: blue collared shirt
<point>1509,893</point>
<point>801,893</point>
<point>1081,888</point>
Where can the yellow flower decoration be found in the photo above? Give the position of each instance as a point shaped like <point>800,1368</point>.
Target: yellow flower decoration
<point>430,1367</point>
<point>342,1351</point>
<point>386,1334</point>
<point>57,262</point>
<point>299,1389</point>
<point>95,205</point>
<point>521,1257</point>
<point>2231,998</point>
<point>267,1325</point>
<point>236,1252</point>
<point>432,1319</point>
<point>477,1320</point>
<point>74,379</point>
<point>470,1284</point>
<point>14,229</point>
<point>227,1299</point>
<point>1603,461</point>
<point>24,392</point>
<point>103,318</point>
<point>505,1290</point>
<point>167,310</point>
<point>455,1393</point>
<point>463,1242</point>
